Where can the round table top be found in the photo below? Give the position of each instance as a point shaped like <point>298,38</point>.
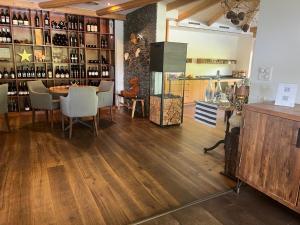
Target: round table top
<point>64,90</point>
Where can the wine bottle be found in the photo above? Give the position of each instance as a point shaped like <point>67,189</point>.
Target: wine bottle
<point>7,17</point>
<point>46,20</point>
<point>75,23</point>
<point>38,73</point>
<point>20,20</point>
<point>26,21</point>
<point>2,17</point>
<point>5,74</point>
<point>15,19</point>
<point>23,72</point>
<point>50,74</point>
<point>37,20</point>
<point>57,73</point>
<point>12,74</point>
<point>67,74</point>
<point>1,36</point>
<point>19,73</point>
<point>28,73</point>
<point>26,105</point>
<point>62,73</point>
<point>8,36</point>
<point>43,73</point>
<point>88,27</point>
<point>32,72</point>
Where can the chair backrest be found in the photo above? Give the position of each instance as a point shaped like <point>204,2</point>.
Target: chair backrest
<point>83,101</point>
<point>3,98</point>
<point>106,86</point>
<point>106,94</point>
<point>37,86</point>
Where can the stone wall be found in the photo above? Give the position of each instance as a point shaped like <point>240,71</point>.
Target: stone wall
<point>142,22</point>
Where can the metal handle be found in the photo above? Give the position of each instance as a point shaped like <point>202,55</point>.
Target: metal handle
<point>298,139</point>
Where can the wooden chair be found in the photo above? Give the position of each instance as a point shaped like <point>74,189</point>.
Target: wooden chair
<point>41,99</point>
<point>80,102</point>
<point>3,104</point>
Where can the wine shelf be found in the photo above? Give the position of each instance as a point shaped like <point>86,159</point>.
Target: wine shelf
<point>32,38</point>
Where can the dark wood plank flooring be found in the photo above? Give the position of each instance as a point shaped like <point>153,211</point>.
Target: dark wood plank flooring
<point>249,208</point>
<point>133,170</point>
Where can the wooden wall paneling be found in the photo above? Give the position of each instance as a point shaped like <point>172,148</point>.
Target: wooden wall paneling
<point>125,6</point>
<point>202,5</point>
<point>178,3</point>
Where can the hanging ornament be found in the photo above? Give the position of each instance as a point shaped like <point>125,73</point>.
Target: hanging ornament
<point>245,27</point>
<point>241,16</point>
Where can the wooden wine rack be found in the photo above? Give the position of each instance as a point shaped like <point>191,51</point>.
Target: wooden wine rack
<point>17,32</point>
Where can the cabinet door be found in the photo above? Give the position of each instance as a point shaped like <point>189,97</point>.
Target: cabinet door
<point>269,157</point>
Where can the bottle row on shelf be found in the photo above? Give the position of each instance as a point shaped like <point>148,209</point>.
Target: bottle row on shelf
<point>60,72</point>
<point>5,35</point>
<point>21,90</point>
<point>40,19</point>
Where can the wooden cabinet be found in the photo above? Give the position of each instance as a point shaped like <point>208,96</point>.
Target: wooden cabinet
<point>194,89</point>
<point>270,153</point>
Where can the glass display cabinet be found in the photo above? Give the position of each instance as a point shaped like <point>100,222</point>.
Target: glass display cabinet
<point>167,66</point>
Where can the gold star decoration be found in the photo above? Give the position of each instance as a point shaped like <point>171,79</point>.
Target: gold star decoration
<point>25,56</point>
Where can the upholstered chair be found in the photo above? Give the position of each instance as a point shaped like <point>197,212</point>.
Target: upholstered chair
<point>3,104</point>
<point>41,99</point>
<point>106,96</point>
<point>80,102</point>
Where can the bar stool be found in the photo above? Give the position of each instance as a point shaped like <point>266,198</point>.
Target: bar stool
<point>134,101</point>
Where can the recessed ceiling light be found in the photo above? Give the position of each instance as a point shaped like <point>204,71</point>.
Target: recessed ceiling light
<point>108,3</point>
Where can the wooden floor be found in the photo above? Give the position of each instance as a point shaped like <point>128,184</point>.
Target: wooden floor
<point>133,170</point>
<point>248,208</point>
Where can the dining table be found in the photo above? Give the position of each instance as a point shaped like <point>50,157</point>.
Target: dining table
<point>63,90</point>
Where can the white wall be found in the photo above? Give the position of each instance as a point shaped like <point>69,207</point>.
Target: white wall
<point>278,46</point>
<point>161,22</point>
<point>213,44</point>
<point>119,44</point>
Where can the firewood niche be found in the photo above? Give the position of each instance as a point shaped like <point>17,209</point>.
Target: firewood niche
<point>167,67</point>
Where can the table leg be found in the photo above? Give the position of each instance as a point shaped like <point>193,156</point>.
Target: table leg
<point>228,114</point>
<point>214,147</point>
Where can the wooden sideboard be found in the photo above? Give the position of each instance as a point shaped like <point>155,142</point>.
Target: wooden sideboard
<point>269,152</point>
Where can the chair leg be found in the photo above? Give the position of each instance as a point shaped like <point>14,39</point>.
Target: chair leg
<point>33,116</point>
<point>133,108</point>
<point>7,122</point>
<point>119,100</point>
<point>71,128</point>
<point>143,107</point>
<point>95,125</point>
<point>99,110</point>
<point>46,114</point>
<point>111,119</point>
<point>51,115</point>
<point>63,122</point>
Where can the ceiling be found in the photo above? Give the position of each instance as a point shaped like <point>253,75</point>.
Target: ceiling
<point>202,17</point>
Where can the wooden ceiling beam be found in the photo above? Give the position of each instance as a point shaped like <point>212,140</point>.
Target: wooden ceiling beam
<point>197,9</point>
<point>215,17</point>
<point>69,10</point>
<point>254,31</point>
<point>178,3</point>
<point>125,6</point>
<point>61,3</point>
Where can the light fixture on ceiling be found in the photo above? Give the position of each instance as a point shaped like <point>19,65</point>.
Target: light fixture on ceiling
<point>240,12</point>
